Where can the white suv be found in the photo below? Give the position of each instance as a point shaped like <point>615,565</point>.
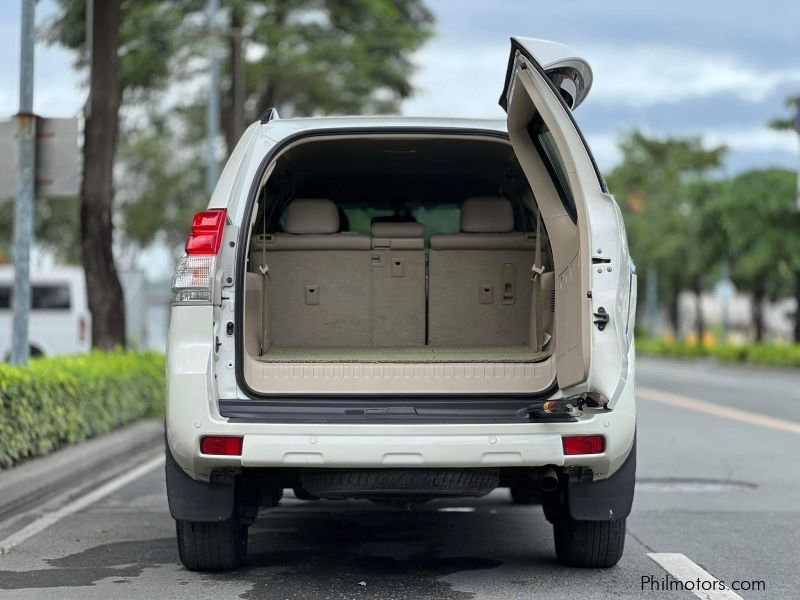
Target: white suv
<point>401,309</point>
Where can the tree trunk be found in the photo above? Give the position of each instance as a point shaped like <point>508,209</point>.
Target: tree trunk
<point>106,301</point>
<point>797,307</point>
<point>674,308</point>
<point>759,293</point>
<point>699,321</point>
<point>234,123</point>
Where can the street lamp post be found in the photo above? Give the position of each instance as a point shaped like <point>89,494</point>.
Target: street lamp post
<point>212,107</point>
<point>23,207</point>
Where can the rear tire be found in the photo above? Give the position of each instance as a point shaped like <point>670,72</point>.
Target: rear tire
<point>589,544</point>
<point>218,546</point>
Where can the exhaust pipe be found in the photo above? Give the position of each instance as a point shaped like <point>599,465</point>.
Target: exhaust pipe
<point>548,479</point>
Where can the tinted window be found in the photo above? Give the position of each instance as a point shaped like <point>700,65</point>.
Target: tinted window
<point>50,297</point>
<point>43,297</point>
<point>545,145</point>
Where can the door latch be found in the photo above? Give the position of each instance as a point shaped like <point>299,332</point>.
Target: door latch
<point>601,318</point>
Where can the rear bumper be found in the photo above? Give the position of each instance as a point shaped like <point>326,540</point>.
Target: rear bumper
<point>365,445</point>
<point>193,411</point>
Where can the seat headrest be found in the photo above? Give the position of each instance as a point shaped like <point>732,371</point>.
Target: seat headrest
<point>487,214</point>
<point>311,215</point>
<point>390,229</point>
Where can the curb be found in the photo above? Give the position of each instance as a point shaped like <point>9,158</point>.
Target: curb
<point>35,480</point>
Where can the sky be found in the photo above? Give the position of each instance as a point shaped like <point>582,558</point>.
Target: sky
<point>716,69</point>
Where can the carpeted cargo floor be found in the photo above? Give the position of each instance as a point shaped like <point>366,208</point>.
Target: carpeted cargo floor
<point>412,354</point>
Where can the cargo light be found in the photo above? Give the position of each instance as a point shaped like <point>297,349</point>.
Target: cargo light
<point>193,281</point>
<point>224,445</point>
<point>583,444</point>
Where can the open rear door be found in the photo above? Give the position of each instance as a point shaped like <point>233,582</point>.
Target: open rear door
<point>544,82</point>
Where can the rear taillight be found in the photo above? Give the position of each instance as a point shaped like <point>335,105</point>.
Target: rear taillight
<point>81,329</point>
<point>193,282</point>
<point>583,444</point>
<point>206,236</point>
<point>222,445</point>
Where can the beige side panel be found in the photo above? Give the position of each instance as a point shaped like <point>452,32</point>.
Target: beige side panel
<point>253,310</point>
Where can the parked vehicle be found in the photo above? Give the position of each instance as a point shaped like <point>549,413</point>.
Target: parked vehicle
<point>60,322</point>
<point>403,309</point>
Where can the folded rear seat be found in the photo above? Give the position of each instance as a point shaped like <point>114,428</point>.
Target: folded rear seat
<point>398,284</point>
<point>319,283</point>
<point>480,279</point>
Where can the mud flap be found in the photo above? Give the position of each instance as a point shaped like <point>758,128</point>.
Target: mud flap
<point>192,500</point>
<point>607,500</point>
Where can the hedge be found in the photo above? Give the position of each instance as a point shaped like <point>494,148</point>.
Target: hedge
<point>58,401</point>
<point>756,354</point>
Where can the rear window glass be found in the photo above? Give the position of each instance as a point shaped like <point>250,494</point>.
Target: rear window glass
<point>43,297</point>
<point>545,145</point>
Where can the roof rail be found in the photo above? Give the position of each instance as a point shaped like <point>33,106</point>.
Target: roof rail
<point>268,115</point>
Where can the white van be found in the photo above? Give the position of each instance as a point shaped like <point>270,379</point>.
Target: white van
<point>60,322</point>
<point>402,309</point>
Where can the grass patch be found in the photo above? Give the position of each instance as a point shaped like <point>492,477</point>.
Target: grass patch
<point>787,355</point>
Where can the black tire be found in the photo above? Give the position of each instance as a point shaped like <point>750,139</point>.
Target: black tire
<point>301,494</point>
<point>219,546</point>
<point>525,493</point>
<point>589,544</point>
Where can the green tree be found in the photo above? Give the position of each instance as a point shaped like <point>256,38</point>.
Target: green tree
<point>792,123</point>
<point>313,57</point>
<point>761,227</point>
<point>662,188</point>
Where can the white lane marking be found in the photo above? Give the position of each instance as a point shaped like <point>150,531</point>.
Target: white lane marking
<point>80,503</point>
<point>718,410</point>
<point>462,509</point>
<point>690,573</point>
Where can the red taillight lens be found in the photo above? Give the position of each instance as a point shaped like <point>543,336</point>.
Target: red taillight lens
<point>81,329</point>
<point>221,444</point>
<point>206,236</point>
<point>584,444</point>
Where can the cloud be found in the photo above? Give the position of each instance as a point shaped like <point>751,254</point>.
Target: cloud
<point>467,81</point>
<point>647,75</point>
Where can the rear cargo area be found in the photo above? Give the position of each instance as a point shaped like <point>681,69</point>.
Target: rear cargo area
<point>416,257</point>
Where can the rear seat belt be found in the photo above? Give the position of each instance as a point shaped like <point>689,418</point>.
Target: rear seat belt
<point>538,299</point>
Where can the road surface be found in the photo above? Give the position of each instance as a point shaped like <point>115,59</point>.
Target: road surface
<point>718,486</point>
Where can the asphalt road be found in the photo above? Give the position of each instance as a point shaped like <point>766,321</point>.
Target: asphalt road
<point>721,489</point>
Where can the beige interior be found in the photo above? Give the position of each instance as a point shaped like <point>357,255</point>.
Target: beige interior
<point>396,309</point>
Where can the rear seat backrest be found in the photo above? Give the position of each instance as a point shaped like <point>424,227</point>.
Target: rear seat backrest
<point>398,284</point>
<point>318,291</point>
<point>480,279</point>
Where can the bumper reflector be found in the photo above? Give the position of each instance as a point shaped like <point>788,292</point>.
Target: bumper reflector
<point>221,445</point>
<point>583,444</point>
